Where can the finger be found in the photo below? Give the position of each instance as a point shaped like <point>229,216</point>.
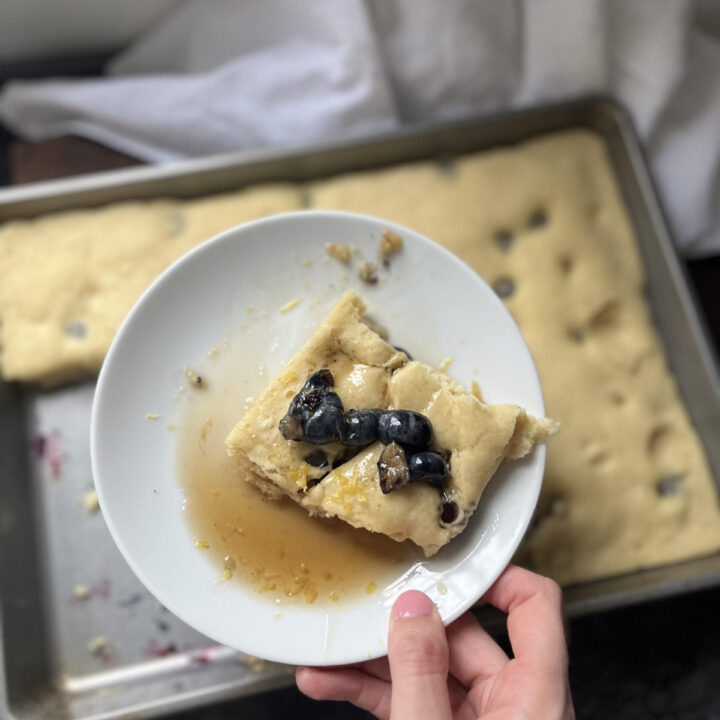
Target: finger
<point>378,668</point>
<point>474,655</point>
<point>535,626</point>
<point>418,654</point>
<point>458,695</point>
<point>368,693</point>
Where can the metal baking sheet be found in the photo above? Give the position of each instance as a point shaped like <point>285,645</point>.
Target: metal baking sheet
<point>153,664</point>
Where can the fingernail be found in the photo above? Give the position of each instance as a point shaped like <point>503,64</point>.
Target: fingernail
<point>411,604</point>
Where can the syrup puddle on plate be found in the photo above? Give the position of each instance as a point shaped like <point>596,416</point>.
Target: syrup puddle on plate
<point>275,547</point>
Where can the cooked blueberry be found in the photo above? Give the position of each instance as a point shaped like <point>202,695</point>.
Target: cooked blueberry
<point>669,485</point>
<point>305,403</point>
<point>410,429</point>
<point>317,458</point>
<point>323,426</point>
<point>504,239</point>
<point>310,399</point>
<point>504,287</point>
<point>315,413</point>
<point>428,467</point>
<point>538,218</point>
<point>393,469</point>
<point>320,379</point>
<point>450,512</point>
<point>341,459</point>
<point>290,428</point>
<point>330,397</point>
<point>360,427</point>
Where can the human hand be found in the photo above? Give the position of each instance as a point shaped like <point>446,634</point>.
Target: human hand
<point>461,672</point>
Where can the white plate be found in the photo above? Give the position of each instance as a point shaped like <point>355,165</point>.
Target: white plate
<point>432,303</point>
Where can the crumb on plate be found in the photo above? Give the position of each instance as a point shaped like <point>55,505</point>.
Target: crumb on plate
<point>194,379</point>
<point>367,272</point>
<point>287,307</point>
<point>338,251</point>
<point>390,244</point>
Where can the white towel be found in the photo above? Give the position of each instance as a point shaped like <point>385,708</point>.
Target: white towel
<point>221,75</point>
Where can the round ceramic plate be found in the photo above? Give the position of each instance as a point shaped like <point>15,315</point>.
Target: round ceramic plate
<point>432,303</point>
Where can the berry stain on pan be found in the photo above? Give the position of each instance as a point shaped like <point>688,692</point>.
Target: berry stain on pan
<point>82,593</point>
<point>46,448</point>
<point>154,649</point>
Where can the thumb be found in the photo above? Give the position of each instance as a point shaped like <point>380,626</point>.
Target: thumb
<point>418,655</point>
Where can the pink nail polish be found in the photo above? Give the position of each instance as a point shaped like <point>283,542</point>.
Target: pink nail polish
<point>411,604</point>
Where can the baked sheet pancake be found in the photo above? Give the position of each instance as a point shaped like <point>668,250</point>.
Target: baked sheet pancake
<point>369,374</point>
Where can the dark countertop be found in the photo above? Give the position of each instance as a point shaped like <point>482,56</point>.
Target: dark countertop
<point>657,660</point>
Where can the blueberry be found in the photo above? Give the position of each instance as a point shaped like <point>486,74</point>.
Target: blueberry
<point>393,469</point>
<point>669,485</point>
<point>360,427</point>
<point>504,287</point>
<point>411,429</point>
<point>450,512</point>
<point>341,459</point>
<point>330,397</point>
<point>318,390</point>
<point>504,239</point>
<point>290,428</point>
<point>538,219</point>
<point>320,379</point>
<point>317,394</point>
<point>305,403</point>
<point>317,458</point>
<point>428,467</point>
<point>323,426</point>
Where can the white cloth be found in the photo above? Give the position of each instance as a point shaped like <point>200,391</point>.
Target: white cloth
<point>221,75</point>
